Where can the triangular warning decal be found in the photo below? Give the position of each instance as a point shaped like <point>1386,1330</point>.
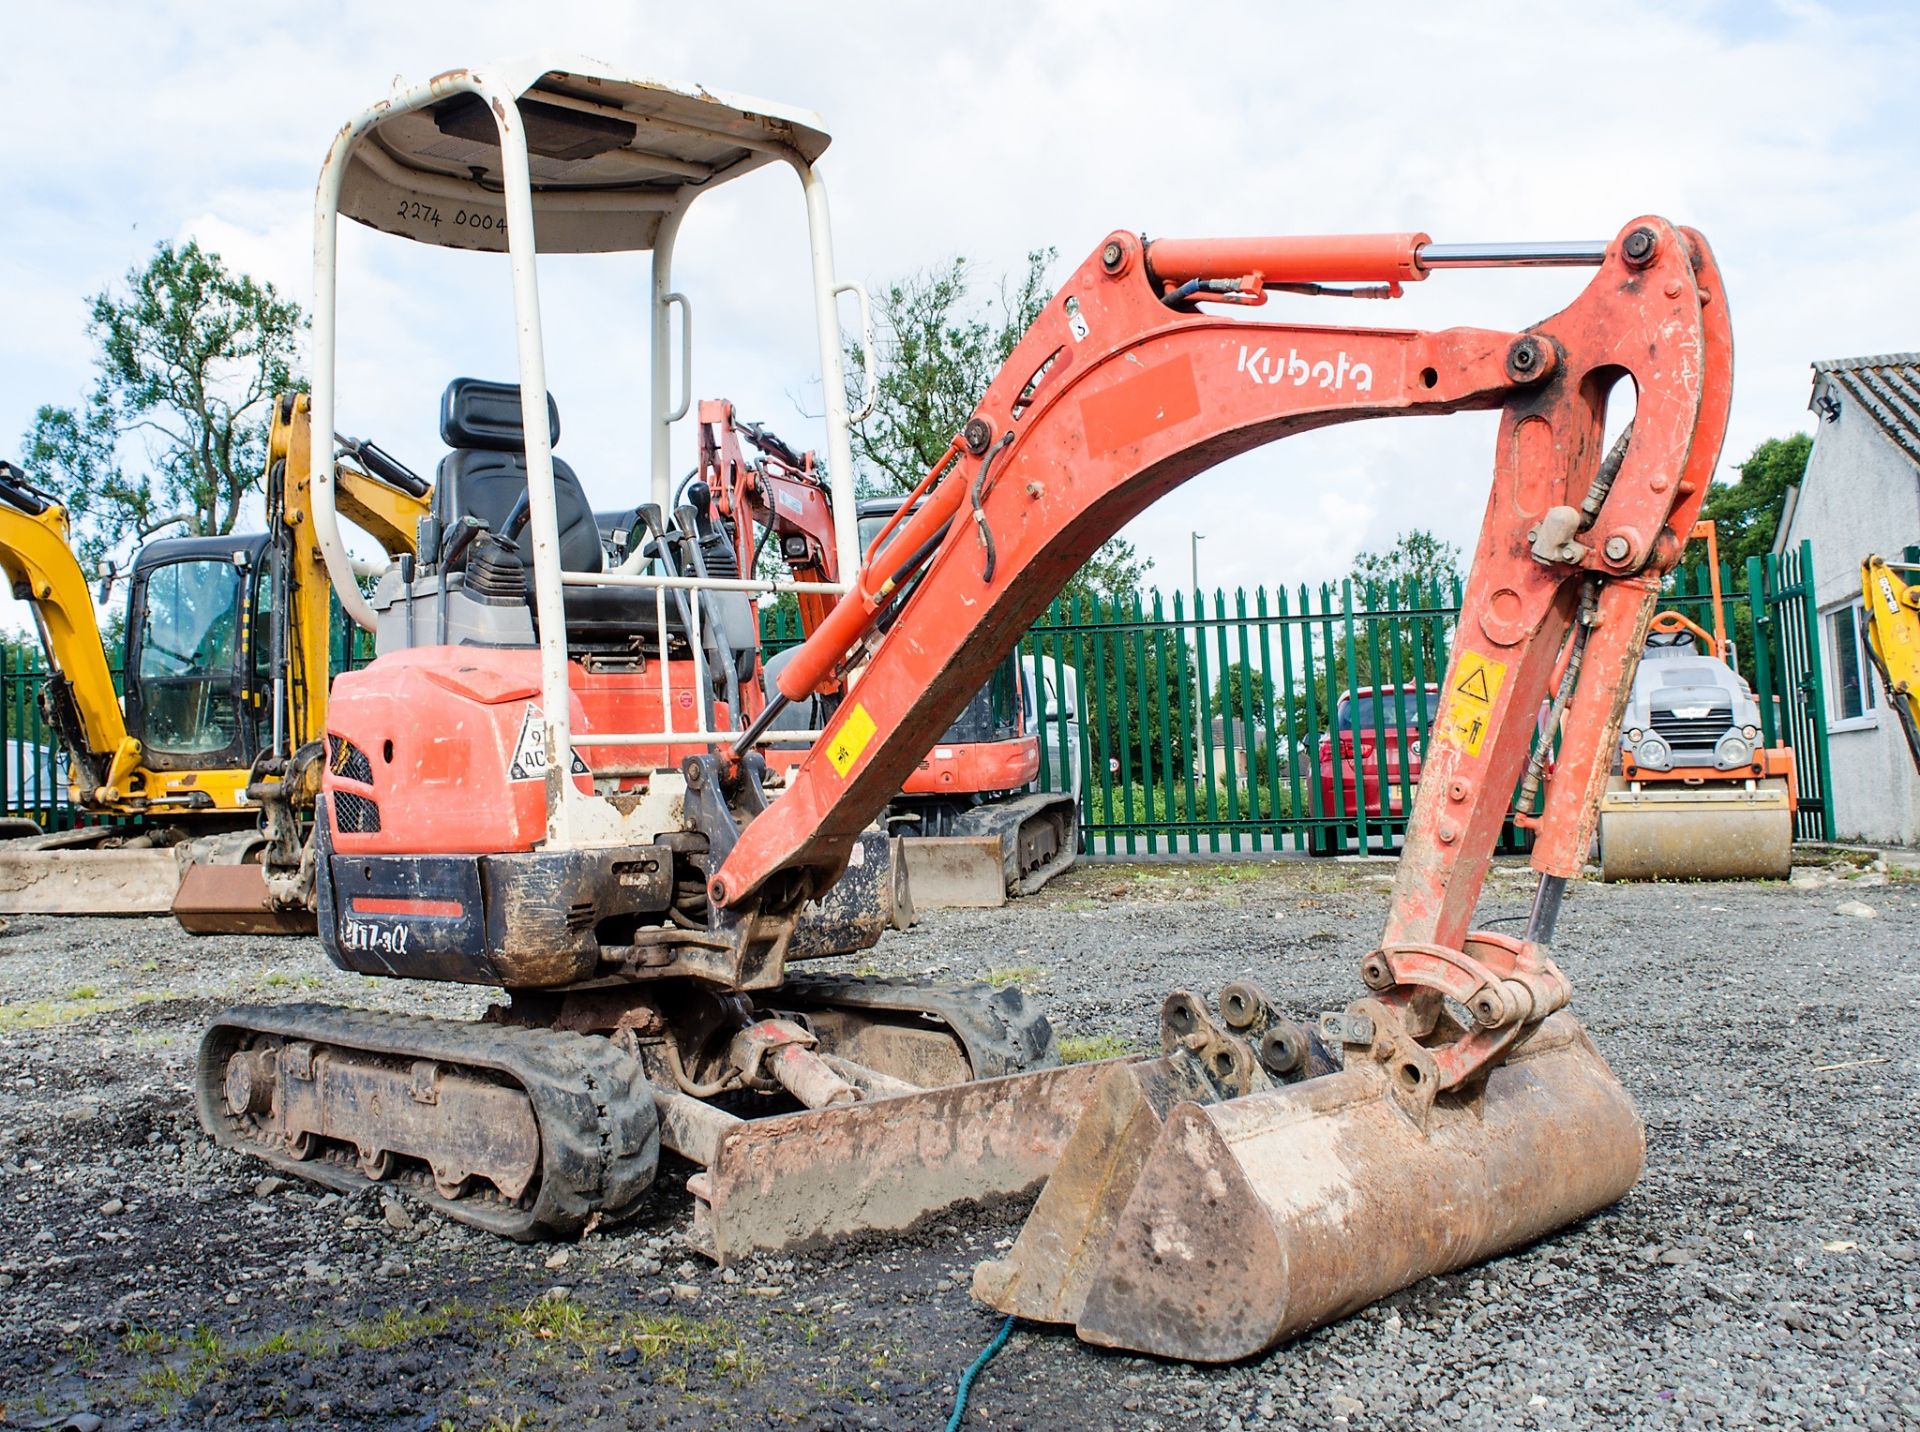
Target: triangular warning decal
<point>1474,684</point>
<point>529,760</point>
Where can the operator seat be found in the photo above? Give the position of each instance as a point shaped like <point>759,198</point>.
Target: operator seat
<point>486,471</point>
<point>484,476</point>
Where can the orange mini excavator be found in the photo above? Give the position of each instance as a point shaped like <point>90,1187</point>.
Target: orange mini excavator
<point>517,807</point>
<point>975,828</point>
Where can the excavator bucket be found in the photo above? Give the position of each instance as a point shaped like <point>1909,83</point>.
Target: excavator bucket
<point>1734,831</point>
<point>1211,1231</point>
<point>224,899</point>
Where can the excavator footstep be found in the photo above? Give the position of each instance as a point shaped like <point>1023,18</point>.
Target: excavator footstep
<point>1212,1232</point>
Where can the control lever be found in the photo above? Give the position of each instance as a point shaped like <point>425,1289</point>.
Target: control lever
<point>517,516</point>
<point>458,539</point>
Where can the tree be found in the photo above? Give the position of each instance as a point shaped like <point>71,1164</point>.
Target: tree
<point>1746,513</point>
<point>1417,557</point>
<point>938,353</point>
<point>1240,681</point>
<point>1419,573</point>
<point>189,361</point>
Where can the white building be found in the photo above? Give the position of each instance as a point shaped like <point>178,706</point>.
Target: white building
<point>1861,495</point>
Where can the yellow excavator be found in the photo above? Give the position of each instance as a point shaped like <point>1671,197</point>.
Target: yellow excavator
<point>1893,639</point>
<point>202,774</point>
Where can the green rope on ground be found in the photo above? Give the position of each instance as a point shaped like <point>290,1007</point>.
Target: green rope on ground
<point>973,1371</point>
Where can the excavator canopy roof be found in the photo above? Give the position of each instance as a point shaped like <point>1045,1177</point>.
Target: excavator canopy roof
<point>610,156</point>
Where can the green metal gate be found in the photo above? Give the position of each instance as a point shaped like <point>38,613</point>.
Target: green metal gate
<point>1789,676</point>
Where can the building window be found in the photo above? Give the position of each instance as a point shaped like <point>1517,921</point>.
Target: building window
<point>1852,687</point>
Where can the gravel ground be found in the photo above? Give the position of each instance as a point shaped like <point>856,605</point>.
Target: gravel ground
<point>1765,1272</point>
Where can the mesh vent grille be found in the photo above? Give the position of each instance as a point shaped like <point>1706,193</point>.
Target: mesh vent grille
<point>1693,733</point>
<point>350,763</point>
<point>355,815</point>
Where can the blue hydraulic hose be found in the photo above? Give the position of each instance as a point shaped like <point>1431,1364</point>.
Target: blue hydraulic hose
<point>973,1371</point>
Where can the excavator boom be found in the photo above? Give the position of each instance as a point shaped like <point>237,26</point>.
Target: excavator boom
<point>1470,1113</point>
<point>1892,609</point>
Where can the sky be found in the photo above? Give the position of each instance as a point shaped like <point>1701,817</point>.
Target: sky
<point>1789,133</point>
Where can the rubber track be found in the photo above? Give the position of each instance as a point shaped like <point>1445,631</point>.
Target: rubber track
<point>599,1134</point>
<point>1002,1034</point>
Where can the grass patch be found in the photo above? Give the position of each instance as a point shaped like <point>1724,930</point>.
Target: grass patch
<point>83,992</point>
<point>49,1013</point>
<point>184,1363</point>
<point>1085,1048</point>
<point>177,1380</point>
<point>557,1320</point>
<point>148,1342</point>
<point>1027,977</point>
<point>674,1343</point>
<point>393,1328</point>
<point>309,1341</point>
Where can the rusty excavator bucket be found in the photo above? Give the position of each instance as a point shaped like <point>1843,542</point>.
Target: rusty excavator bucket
<point>1209,1208</point>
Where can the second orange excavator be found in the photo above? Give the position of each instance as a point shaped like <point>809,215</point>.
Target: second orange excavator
<point>976,826</point>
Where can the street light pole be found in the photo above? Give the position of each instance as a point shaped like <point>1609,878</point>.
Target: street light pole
<point>1202,733</point>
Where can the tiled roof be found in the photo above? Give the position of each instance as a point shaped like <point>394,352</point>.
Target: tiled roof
<point>1887,388</point>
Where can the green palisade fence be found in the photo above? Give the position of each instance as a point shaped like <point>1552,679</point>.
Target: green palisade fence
<point>1179,756</point>
<point>1206,723</point>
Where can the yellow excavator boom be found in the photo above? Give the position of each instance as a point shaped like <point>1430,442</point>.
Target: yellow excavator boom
<point>1893,639</point>
<point>36,553</point>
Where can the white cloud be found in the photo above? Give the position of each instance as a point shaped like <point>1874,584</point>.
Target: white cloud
<point>1788,135</point>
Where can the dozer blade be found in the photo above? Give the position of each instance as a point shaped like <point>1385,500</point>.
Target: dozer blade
<point>1216,1231</point>
<point>799,1180</point>
<point>232,900</point>
<point>1682,832</point>
<point>1002,849</point>
<point>53,881</point>
<point>955,872</point>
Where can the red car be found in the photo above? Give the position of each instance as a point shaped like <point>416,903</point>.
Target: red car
<point>1376,725</point>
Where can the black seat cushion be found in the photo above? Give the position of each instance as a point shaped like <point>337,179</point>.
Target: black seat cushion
<point>477,482</point>
<point>486,473</point>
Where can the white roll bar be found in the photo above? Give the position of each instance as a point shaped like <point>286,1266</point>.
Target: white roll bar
<point>790,140</point>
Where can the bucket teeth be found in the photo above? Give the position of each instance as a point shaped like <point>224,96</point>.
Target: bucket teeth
<point>1214,1230</point>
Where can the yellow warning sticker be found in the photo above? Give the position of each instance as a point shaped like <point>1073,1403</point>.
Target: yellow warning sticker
<point>1474,682</point>
<point>851,739</point>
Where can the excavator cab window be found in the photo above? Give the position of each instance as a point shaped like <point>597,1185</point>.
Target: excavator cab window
<point>189,630</point>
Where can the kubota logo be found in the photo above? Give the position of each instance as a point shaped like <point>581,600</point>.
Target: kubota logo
<point>1333,373</point>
